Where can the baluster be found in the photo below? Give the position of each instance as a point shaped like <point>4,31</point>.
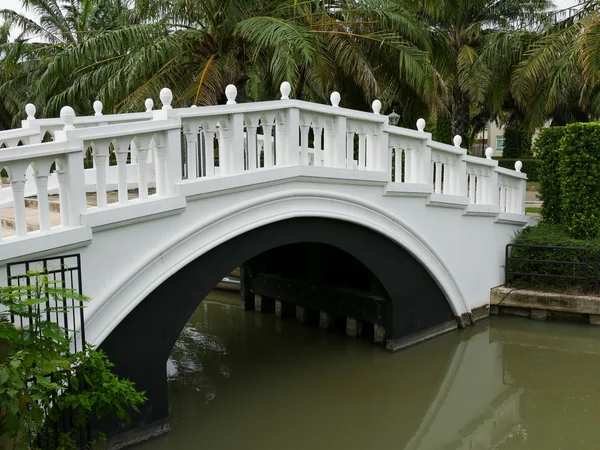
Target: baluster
<point>100,155</point>
<point>209,130</point>
<point>362,154</point>
<point>408,164</point>
<point>223,146</point>
<point>375,157</point>
<point>16,175</point>
<point>61,174</point>
<point>121,150</point>
<point>398,163</point>
<point>502,198</point>
<point>479,189</point>
<point>159,166</point>
<point>252,121</point>
<point>471,188</point>
<point>446,178</point>
<point>41,171</point>
<point>329,140</point>
<point>438,177</point>
<point>191,138</point>
<point>143,146</point>
<point>318,133</point>
<point>280,130</point>
<point>350,149</point>
<point>268,142</point>
<point>304,129</point>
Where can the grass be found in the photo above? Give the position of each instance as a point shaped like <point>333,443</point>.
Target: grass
<point>533,210</point>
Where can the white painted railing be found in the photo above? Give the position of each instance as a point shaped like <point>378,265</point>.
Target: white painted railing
<point>169,146</point>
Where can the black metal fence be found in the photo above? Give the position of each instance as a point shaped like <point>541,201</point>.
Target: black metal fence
<point>548,266</point>
<point>62,272</point>
<point>65,271</point>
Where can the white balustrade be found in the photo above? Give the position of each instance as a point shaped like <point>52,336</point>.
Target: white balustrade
<point>166,146</point>
<point>448,173</point>
<point>40,158</point>
<point>511,189</point>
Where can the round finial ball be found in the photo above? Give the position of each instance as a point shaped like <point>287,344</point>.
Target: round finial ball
<point>98,108</point>
<point>166,97</point>
<point>457,140</point>
<point>231,94</point>
<point>421,124</point>
<point>376,105</point>
<point>67,114</point>
<point>285,90</point>
<point>30,111</point>
<point>518,166</point>
<point>489,152</point>
<point>149,104</point>
<point>193,106</point>
<point>335,98</point>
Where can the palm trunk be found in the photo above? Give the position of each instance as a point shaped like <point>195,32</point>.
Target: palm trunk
<point>460,112</point>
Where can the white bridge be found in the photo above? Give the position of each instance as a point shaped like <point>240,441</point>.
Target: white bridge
<point>190,180</point>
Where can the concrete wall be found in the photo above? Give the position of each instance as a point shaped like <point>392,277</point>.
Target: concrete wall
<point>125,261</point>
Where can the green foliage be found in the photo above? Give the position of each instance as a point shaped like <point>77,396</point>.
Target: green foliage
<point>517,141</point>
<point>530,166</point>
<point>41,379</point>
<point>580,179</point>
<point>441,130</point>
<point>553,235</point>
<point>547,149</point>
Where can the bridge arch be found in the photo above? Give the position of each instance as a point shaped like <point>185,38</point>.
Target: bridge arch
<point>173,252</point>
<point>140,322</point>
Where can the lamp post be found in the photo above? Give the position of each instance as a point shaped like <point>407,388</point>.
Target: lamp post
<point>394,118</point>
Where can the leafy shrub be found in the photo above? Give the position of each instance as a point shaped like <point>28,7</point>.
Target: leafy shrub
<point>517,142</point>
<point>441,130</point>
<point>579,171</point>
<point>42,383</point>
<point>530,166</point>
<point>547,149</point>
<point>547,234</point>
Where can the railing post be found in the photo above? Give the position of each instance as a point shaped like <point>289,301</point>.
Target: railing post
<point>171,161</point>
<point>425,175</point>
<point>143,147</point>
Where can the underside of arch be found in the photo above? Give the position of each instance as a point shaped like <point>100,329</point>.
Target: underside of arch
<point>140,345</point>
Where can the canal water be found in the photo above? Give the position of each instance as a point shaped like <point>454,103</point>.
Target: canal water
<point>245,380</point>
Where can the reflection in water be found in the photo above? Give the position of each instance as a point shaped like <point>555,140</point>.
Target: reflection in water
<point>244,380</point>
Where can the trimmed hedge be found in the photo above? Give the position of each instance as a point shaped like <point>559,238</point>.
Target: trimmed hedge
<point>547,149</point>
<point>553,235</point>
<point>530,166</point>
<point>579,171</point>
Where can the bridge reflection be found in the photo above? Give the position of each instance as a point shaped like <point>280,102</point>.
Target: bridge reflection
<point>502,384</point>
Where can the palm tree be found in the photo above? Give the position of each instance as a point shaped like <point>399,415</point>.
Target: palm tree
<point>63,26</point>
<point>366,49</point>
<point>558,79</point>
<point>462,32</point>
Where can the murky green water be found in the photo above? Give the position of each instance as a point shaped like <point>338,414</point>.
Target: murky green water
<point>242,380</point>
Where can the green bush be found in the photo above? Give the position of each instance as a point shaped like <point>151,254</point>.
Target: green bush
<point>547,149</point>
<point>579,171</point>
<point>530,166</point>
<point>42,382</point>
<point>441,130</point>
<point>517,142</point>
<point>553,235</point>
